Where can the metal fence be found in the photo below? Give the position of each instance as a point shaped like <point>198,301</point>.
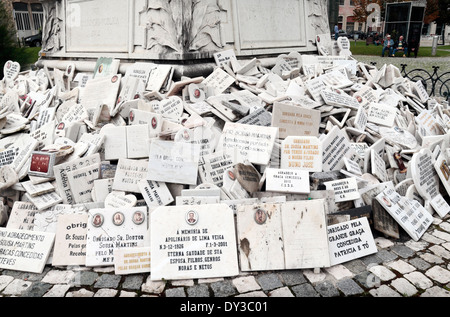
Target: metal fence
<point>437,84</point>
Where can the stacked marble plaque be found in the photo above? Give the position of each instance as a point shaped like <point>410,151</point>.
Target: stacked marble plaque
<point>249,168</point>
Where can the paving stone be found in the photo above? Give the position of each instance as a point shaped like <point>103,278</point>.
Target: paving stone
<point>58,277</point>
<point>127,294</point>
<point>404,287</point>
<point>427,237</point>
<point>253,294</point>
<point>384,291</point>
<point>446,245</point>
<point>419,280</point>
<point>383,243</point>
<point>269,281</point>
<point>419,263</point>
<point>223,289</point>
<point>314,277</point>
<point>246,284</point>
<point>281,292</point>
<point>371,259</point>
<point>387,256</point>
<point>199,290</point>
<point>106,292</point>
<point>382,272</point>
<point>356,266</point>
<point>80,293</point>
<point>153,287</point>
<point>133,282</point>
<point>349,287</point>
<point>17,287</point>
<point>339,272</point>
<point>327,289</point>
<point>435,291</point>
<point>292,277</point>
<point>37,289</point>
<point>445,226</point>
<point>108,281</point>
<point>304,290</point>
<point>175,292</point>
<point>367,279</point>
<point>57,290</point>
<point>178,283</point>
<point>401,266</point>
<point>438,274</point>
<point>34,277</point>
<point>431,258</point>
<point>440,251</point>
<point>403,251</point>
<point>417,245</point>
<point>5,280</point>
<point>441,235</point>
<point>83,278</point>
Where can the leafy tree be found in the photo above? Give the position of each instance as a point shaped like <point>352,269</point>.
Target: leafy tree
<point>7,37</point>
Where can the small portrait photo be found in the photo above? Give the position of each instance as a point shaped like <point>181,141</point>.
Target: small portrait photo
<point>97,220</point>
<point>191,217</point>
<point>138,217</point>
<point>387,201</point>
<point>260,216</point>
<point>118,218</point>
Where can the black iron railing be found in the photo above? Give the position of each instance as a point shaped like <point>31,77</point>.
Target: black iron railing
<point>437,85</point>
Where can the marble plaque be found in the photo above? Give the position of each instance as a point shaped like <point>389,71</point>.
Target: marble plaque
<point>260,237</point>
<point>61,170</point>
<point>384,222</point>
<point>303,153</point>
<point>305,234</point>
<point>344,189</point>
<point>350,240</point>
<point>378,166</point>
<point>219,80</point>
<point>213,167</point>
<point>381,114</point>
<point>22,216</point>
<point>115,143</point>
<point>137,141</point>
<point>111,229</point>
<point>189,242</point>
<point>335,147</point>
<point>173,162</point>
<point>103,90</point>
<point>11,71</point>
<point>44,201</point>
<point>25,251</point>
<point>338,99</point>
<point>132,260</point>
<point>409,214</point>
<point>224,57</point>
<point>128,175</point>
<point>70,240</point>
<point>82,182</point>
<point>443,171</point>
<point>254,143</point>
<point>37,189</point>
<point>155,193</point>
<point>424,174</point>
<point>120,200</point>
<point>295,121</point>
<point>170,108</point>
<point>287,180</point>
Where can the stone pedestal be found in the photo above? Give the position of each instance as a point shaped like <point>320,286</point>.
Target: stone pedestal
<point>180,32</point>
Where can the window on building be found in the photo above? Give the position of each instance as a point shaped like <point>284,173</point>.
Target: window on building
<point>352,3</point>
<point>341,2</point>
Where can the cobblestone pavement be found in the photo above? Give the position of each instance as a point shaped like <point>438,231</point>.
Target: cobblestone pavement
<point>400,268</point>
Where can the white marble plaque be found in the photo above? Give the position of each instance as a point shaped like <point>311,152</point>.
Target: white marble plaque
<point>82,182</point>
<point>224,57</point>
<point>155,193</point>
<point>189,242</point>
<point>44,201</point>
<point>378,166</point>
<point>111,229</point>
<point>344,189</point>
<point>70,240</point>
<point>211,171</point>
<point>128,175</point>
<point>335,147</point>
<point>219,80</point>
<point>115,143</point>
<point>173,162</point>
<point>25,251</point>
<point>295,121</point>
<point>260,237</point>
<point>305,234</point>
<point>303,153</point>
<point>170,108</point>
<point>381,114</point>
<point>120,200</point>
<point>350,240</point>
<point>409,214</point>
<point>132,260</point>
<point>443,171</point>
<point>22,216</point>
<point>424,174</point>
<point>287,181</point>
<point>11,71</point>
<point>103,90</point>
<point>253,143</point>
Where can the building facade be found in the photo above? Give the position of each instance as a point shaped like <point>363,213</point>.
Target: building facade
<point>28,17</point>
<point>346,19</point>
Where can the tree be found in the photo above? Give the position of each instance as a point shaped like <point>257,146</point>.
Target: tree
<point>8,44</point>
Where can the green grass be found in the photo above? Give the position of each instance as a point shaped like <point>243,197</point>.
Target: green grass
<point>360,48</point>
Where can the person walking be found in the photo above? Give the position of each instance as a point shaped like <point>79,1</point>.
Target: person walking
<point>336,32</point>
